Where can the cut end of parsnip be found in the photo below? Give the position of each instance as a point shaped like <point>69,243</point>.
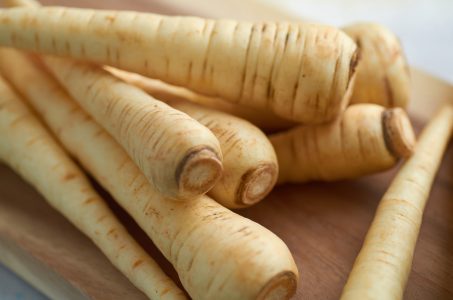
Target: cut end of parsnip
<point>198,172</point>
<point>280,287</point>
<point>256,184</point>
<point>398,132</point>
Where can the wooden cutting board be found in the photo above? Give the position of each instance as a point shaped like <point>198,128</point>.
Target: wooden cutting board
<point>323,224</point>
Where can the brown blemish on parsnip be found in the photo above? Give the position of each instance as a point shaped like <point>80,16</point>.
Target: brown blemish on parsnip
<point>137,263</point>
<point>69,176</point>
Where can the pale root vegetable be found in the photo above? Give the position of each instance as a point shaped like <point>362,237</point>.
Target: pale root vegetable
<point>368,138</point>
<point>27,147</point>
<point>264,119</point>
<point>179,156</point>
<point>299,71</point>
<point>383,265</point>
<point>217,253</point>
<point>382,75</point>
<point>250,164</point>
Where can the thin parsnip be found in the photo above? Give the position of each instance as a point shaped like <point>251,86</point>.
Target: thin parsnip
<point>250,165</point>
<point>179,156</point>
<point>383,265</point>
<point>217,253</point>
<point>366,139</point>
<point>263,119</point>
<point>27,147</point>
<point>382,75</point>
<point>299,71</point>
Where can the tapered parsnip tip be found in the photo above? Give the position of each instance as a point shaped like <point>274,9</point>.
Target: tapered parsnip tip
<point>282,286</point>
<point>198,172</point>
<point>398,132</point>
<point>257,183</point>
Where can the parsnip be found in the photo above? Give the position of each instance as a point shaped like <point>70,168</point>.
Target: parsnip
<point>383,73</point>
<point>366,139</point>
<point>27,147</point>
<point>383,265</point>
<point>250,164</point>
<point>180,157</point>
<point>217,253</point>
<point>264,119</point>
<point>299,71</point>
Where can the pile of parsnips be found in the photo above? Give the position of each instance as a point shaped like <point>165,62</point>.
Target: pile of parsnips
<point>331,100</point>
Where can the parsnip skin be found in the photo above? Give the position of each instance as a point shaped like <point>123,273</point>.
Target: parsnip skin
<point>29,150</point>
<point>217,253</point>
<point>250,165</point>
<point>180,157</point>
<point>263,119</point>
<point>366,139</point>
<point>299,71</point>
<point>383,265</point>
<point>382,75</point>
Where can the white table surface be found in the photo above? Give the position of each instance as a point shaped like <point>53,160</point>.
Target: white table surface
<point>425,28</point>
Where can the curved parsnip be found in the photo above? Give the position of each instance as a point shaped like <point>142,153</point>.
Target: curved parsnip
<point>250,164</point>
<point>366,139</point>
<point>264,119</point>
<point>383,265</point>
<point>383,73</point>
<point>217,253</point>
<point>27,147</point>
<point>299,71</point>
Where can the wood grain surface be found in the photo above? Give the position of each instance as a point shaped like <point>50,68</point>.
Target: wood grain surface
<point>323,224</point>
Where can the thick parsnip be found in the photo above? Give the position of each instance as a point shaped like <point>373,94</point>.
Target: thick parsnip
<point>179,156</point>
<point>299,71</point>
<point>217,253</point>
<point>383,73</point>
<point>27,147</point>
<point>250,165</point>
<point>368,138</point>
<point>264,119</point>
<point>383,265</point>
